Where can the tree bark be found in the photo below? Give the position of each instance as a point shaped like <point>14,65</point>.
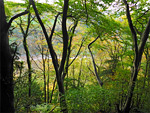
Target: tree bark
<point>6,72</point>
<point>7,97</point>
<point>25,45</point>
<point>137,59</point>
<point>95,69</point>
<point>80,72</point>
<point>69,50</point>
<point>58,68</point>
<point>48,80</point>
<point>52,91</point>
<point>44,72</point>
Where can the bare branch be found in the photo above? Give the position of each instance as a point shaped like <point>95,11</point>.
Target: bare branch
<point>77,53</point>
<point>143,14</point>
<point>91,70</point>
<point>36,63</point>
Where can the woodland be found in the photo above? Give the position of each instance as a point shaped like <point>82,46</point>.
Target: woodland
<point>75,56</point>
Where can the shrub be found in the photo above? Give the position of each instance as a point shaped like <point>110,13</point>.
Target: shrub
<point>90,99</point>
<point>45,108</point>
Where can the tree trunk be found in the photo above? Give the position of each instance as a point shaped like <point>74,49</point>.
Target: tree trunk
<point>29,64</point>
<point>73,73</point>
<point>80,72</point>
<point>44,74</point>
<point>6,72</point>
<point>25,45</point>
<point>63,104</point>
<point>149,71</point>
<point>7,102</point>
<point>58,68</point>
<point>94,65</point>
<point>52,91</point>
<point>69,49</point>
<point>48,88</point>
<point>48,81</point>
<point>137,60</point>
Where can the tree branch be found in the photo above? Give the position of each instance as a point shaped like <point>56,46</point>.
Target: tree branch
<point>143,14</point>
<point>131,27</point>
<point>16,16</point>
<point>52,52</point>
<point>86,12</point>
<point>53,29</point>
<point>51,35</point>
<point>72,30</point>
<point>144,38</point>
<point>94,64</point>
<point>77,53</point>
<point>65,36</point>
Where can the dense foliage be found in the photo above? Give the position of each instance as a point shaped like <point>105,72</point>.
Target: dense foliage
<point>36,86</point>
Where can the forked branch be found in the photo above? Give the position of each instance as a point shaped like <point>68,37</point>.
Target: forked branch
<point>16,16</point>
<point>94,64</point>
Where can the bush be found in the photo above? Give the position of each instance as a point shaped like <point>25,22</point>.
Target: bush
<point>90,99</point>
<point>22,100</point>
<point>45,108</point>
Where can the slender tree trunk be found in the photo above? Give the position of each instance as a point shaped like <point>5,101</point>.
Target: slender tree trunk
<point>44,74</point>
<point>60,84</point>
<point>94,65</point>
<point>79,77</point>
<point>29,69</point>
<point>28,63</point>
<point>52,91</point>
<point>48,88</point>
<point>73,73</point>
<point>44,87</point>
<point>137,60</point>
<point>146,79</point>
<point>69,49</point>
<point>149,71</point>
<point>146,67</point>
<point>127,106</point>
<point>59,75</point>
<point>58,68</point>
<point>25,45</point>
<point>48,81</point>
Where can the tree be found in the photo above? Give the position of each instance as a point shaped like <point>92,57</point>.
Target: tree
<point>6,72</point>
<point>112,56</point>
<point>138,49</point>
<point>25,35</point>
<point>58,68</point>
<point>45,58</point>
